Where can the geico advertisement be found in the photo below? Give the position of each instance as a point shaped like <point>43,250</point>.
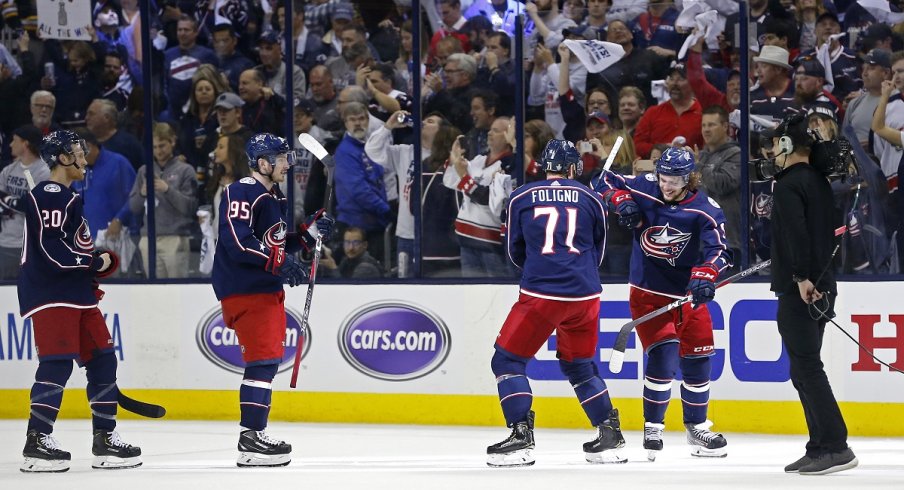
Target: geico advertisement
<point>439,339</point>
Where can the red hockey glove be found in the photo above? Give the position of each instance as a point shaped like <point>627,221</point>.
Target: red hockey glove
<point>702,285</point>
<point>628,213</point>
<point>324,228</point>
<point>275,260</point>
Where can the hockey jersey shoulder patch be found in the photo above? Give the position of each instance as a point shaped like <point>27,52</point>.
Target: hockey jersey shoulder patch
<point>650,177</point>
<point>248,180</point>
<point>713,203</point>
<point>52,188</point>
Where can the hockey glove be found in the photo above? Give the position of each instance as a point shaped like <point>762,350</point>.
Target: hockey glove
<point>628,213</point>
<point>307,232</point>
<point>702,285</point>
<point>104,263</point>
<point>293,272</point>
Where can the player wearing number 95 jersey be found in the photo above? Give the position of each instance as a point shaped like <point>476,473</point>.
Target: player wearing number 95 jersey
<point>252,262</point>
<point>556,236</point>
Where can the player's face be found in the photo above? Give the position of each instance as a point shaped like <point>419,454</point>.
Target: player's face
<point>672,187</point>
<point>281,166</point>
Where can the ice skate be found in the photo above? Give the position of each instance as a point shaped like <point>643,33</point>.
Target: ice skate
<point>652,439</point>
<point>705,443</point>
<point>517,449</point>
<point>606,447</point>
<point>111,453</point>
<point>43,454</point>
<point>257,448</point>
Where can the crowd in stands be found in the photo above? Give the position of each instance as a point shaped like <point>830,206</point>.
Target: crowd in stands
<point>219,76</point>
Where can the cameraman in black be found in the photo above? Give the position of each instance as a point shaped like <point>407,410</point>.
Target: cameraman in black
<point>803,238</point>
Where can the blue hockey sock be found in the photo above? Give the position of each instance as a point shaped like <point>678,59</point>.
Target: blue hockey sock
<point>515,395</point>
<point>255,394</point>
<point>102,391</point>
<point>662,363</point>
<point>695,388</point>
<point>589,387</point>
<point>47,394</point>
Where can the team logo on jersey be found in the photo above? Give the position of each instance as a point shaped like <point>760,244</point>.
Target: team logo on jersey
<point>664,242</point>
<point>83,236</point>
<point>51,188</point>
<point>713,203</point>
<point>220,345</point>
<point>762,205</point>
<point>394,341</point>
<point>248,180</point>
<point>276,235</point>
<point>650,177</point>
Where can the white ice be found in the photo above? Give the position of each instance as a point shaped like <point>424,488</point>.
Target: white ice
<point>201,455</point>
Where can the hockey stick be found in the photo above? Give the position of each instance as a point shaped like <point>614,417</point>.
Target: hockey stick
<point>148,410</point>
<point>621,342</point>
<point>29,179</point>
<point>614,151</point>
<point>313,146</point>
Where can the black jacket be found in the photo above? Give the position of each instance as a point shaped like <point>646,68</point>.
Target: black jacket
<point>803,229</point>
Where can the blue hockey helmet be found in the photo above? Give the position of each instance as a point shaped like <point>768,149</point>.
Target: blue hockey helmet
<point>268,146</point>
<point>58,142</point>
<point>559,155</point>
<point>675,161</point>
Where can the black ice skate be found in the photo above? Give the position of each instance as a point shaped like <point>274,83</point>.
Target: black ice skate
<point>43,454</point>
<point>517,449</point>
<point>652,439</point>
<point>606,447</point>
<point>111,453</point>
<point>256,448</point>
<point>705,443</point>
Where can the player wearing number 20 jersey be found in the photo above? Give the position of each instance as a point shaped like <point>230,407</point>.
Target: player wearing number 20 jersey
<point>556,236</point>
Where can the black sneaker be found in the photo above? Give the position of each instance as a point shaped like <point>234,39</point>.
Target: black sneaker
<point>517,449</point>
<point>830,463</point>
<point>704,442</point>
<point>257,448</point>
<point>111,453</point>
<point>605,448</point>
<point>797,465</point>
<point>43,454</point>
<point>652,439</point>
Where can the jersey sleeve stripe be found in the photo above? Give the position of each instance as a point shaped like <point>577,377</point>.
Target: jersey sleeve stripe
<point>235,236</point>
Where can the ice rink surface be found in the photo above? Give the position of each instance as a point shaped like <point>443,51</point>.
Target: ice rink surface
<point>201,455</point>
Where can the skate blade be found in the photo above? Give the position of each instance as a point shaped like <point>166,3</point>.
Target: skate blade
<point>651,454</point>
<point>523,457</point>
<point>115,463</point>
<point>610,456</point>
<point>702,452</point>
<point>37,465</point>
<point>257,460</point>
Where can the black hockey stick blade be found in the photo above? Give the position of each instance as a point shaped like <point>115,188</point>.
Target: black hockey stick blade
<point>621,342</point>
<point>148,410</point>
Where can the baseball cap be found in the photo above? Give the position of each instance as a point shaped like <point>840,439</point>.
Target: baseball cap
<point>681,68</point>
<point>269,37</point>
<point>343,11</point>
<point>878,57</point>
<point>30,134</point>
<point>811,67</point>
<point>599,117</point>
<point>305,105</point>
<point>229,100</point>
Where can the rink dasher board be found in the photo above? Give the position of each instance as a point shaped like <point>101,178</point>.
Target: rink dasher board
<point>391,348</point>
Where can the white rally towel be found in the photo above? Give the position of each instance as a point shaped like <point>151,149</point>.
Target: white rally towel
<point>596,55</point>
<point>881,11</point>
<point>122,246</point>
<point>824,57</point>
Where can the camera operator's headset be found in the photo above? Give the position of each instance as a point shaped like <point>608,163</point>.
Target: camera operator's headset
<point>785,143</point>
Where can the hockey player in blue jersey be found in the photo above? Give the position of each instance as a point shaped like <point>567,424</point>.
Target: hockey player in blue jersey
<point>556,236</point>
<point>679,248</point>
<point>252,262</point>
<point>57,288</point>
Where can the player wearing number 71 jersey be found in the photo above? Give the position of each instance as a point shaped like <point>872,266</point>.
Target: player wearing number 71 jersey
<point>556,236</point>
